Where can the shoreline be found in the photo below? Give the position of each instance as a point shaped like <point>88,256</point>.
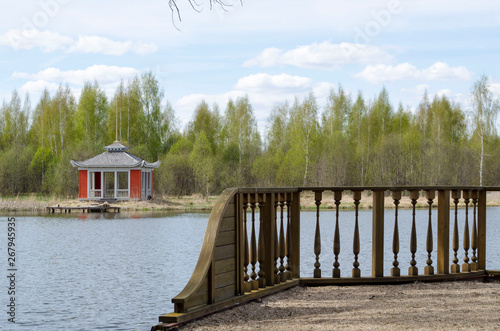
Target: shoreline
<point>196,202</point>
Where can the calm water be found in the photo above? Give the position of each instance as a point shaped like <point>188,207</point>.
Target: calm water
<point>120,271</point>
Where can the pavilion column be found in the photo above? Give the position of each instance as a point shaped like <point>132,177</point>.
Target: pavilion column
<point>102,184</point>
<point>116,184</point>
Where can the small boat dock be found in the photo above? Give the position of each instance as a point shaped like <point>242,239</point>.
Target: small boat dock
<point>101,208</point>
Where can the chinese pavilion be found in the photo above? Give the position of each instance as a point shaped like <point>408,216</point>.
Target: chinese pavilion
<point>115,174</point>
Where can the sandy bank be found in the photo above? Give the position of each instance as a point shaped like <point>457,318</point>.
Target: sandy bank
<point>461,305</point>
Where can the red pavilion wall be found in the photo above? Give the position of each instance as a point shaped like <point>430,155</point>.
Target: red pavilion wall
<point>82,184</point>
<point>135,184</point>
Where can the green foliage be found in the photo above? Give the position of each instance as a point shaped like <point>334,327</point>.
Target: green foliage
<point>352,141</point>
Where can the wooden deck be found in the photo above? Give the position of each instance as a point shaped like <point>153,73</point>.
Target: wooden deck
<point>89,209</point>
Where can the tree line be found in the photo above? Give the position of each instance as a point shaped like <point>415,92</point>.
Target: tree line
<point>352,141</point>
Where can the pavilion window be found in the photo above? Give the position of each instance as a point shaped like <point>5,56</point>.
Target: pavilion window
<point>122,191</point>
<point>95,184</point>
<point>109,184</point>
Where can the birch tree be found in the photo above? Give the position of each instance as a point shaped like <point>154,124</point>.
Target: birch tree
<point>484,113</point>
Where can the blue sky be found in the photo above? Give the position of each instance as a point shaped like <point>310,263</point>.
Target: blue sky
<point>271,51</point>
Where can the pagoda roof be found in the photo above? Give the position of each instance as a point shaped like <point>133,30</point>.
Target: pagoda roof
<point>116,156</point>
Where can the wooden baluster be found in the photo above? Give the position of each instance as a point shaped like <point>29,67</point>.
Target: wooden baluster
<point>337,195</point>
<point>455,267</point>
<point>474,232</point>
<point>413,270</point>
<point>261,249</point>
<point>466,267</point>
<point>282,250</point>
<point>254,285</point>
<point>429,245</point>
<point>288,244</point>
<point>276,242</point>
<point>317,236</point>
<point>356,272</point>
<point>396,196</point>
<point>245,238</point>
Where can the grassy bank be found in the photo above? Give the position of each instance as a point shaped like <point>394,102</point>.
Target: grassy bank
<point>195,202</point>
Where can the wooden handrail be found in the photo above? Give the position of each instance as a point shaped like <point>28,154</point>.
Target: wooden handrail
<point>252,243</point>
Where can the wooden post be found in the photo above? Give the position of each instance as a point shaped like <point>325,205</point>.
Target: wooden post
<point>443,233</point>
<point>474,195</point>
<point>395,271</point>
<point>261,250</point>
<point>295,235</point>
<point>378,234</point>
<point>269,238</point>
<point>211,281</point>
<point>413,270</point>
<point>317,236</point>
<point>481,231</point>
<point>455,267</point>
<point>254,285</point>
<point>241,243</point>
<point>337,195</point>
<point>282,241</point>
<point>356,272</point>
<point>466,267</point>
<point>429,245</point>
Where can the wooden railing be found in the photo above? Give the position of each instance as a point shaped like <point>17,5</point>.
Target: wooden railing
<point>252,243</point>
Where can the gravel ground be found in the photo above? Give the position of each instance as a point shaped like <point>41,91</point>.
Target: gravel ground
<point>419,306</point>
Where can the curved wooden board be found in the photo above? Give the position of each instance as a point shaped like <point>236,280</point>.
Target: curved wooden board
<point>206,258</point>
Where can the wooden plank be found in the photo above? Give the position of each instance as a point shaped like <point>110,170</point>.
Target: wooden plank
<point>378,234</point>
<point>228,224</point>
<point>223,304</point>
<point>226,265</point>
<point>225,279</point>
<point>389,279</point>
<point>225,238</point>
<point>225,252</point>
<point>269,221</point>
<point>295,229</point>
<point>240,249</point>
<point>225,292</point>
<point>481,231</point>
<point>230,209</point>
<point>443,232</point>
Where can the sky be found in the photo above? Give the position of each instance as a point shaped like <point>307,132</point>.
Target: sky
<point>271,51</point>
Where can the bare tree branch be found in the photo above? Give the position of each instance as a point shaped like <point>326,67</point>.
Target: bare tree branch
<point>196,7</point>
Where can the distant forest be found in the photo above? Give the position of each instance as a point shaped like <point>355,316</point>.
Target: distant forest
<point>352,141</point>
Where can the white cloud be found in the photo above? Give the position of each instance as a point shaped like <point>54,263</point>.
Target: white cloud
<point>495,89</point>
<point>419,89</point>
<point>102,45</point>
<point>36,87</point>
<point>50,42</point>
<point>263,82</point>
<point>264,92</point>
<point>28,39</point>
<point>381,73</point>
<point>323,55</point>
<point>102,73</point>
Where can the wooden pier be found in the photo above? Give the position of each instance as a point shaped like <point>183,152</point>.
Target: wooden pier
<point>103,208</point>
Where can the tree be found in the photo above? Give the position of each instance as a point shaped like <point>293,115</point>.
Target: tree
<point>202,161</point>
<point>159,118</point>
<point>207,121</point>
<point>241,130</point>
<point>91,116</point>
<point>304,137</point>
<point>485,110</point>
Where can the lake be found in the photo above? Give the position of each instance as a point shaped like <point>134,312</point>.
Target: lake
<point>120,271</point>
